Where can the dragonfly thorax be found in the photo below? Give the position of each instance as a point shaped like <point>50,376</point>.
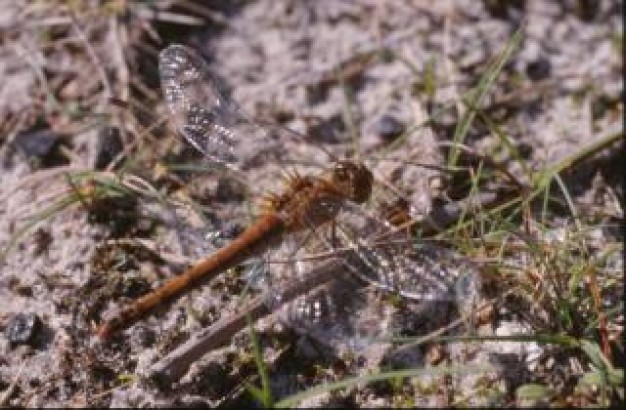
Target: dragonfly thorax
<point>309,201</point>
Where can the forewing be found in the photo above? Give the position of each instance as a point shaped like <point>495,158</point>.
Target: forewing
<point>200,112</point>
<point>259,154</point>
<point>215,124</point>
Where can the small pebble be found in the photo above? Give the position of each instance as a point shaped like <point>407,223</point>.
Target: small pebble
<point>22,328</point>
<point>229,190</point>
<point>389,128</point>
<point>40,145</point>
<point>587,10</point>
<point>539,69</point>
<point>525,150</point>
<point>109,146</point>
<point>328,131</point>
<point>505,9</point>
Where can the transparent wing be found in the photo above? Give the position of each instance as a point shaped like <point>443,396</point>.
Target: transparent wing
<point>392,259</point>
<point>355,269</point>
<point>199,110</point>
<point>216,125</point>
<point>260,154</point>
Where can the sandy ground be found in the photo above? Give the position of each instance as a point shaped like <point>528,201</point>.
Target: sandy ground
<point>561,90</point>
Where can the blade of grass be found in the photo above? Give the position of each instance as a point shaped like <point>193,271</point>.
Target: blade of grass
<point>293,400</point>
<point>551,339</point>
<point>347,114</point>
<point>602,364</point>
<point>541,181</point>
<point>264,394</point>
<point>106,187</point>
<point>477,95</point>
<point>506,142</point>
<point>42,216</point>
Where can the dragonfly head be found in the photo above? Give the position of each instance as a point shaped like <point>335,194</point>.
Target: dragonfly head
<point>353,179</point>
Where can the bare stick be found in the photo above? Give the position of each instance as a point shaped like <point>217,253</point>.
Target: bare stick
<point>177,362</point>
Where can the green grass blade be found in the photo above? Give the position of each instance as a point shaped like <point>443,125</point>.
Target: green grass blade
<point>351,382</point>
<point>477,95</point>
<point>264,394</point>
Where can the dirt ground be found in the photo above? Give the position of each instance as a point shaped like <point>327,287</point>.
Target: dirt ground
<point>96,206</point>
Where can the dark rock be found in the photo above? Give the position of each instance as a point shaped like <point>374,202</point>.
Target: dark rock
<point>119,213</point>
<point>229,190</point>
<point>109,146</point>
<point>316,93</point>
<point>389,128</point>
<point>326,131</point>
<point>23,328</point>
<point>602,104</point>
<point>40,145</point>
<point>134,286</point>
<point>525,150</point>
<point>587,10</point>
<point>215,379</point>
<point>42,238</point>
<point>505,9</point>
<point>538,69</point>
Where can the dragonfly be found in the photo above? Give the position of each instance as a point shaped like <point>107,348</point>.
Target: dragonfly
<point>319,212</point>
